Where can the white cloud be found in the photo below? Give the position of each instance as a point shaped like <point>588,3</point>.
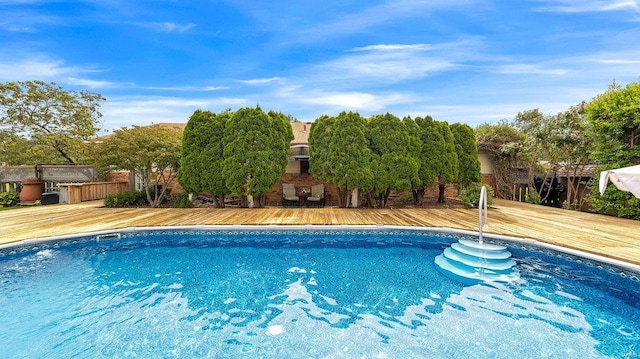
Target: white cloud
<point>36,67</point>
<point>618,61</point>
<point>392,63</point>
<point>28,21</point>
<point>530,69</point>
<point>393,47</point>
<point>143,110</point>
<point>359,101</point>
<point>45,68</point>
<point>184,88</point>
<point>384,13</point>
<point>166,26</point>
<point>89,83</point>
<point>173,27</point>
<point>577,6</point>
<point>385,67</point>
<point>261,81</point>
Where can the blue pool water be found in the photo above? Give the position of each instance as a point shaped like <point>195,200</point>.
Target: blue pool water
<point>304,294</point>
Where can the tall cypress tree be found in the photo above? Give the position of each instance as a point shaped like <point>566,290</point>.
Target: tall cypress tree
<point>393,166</point>
<point>339,154</point>
<point>202,156</point>
<point>448,170</point>
<point>255,154</point>
<point>467,151</point>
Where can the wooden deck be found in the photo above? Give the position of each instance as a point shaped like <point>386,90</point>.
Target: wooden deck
<point>603,235</point>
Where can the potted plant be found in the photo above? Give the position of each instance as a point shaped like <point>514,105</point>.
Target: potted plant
<point>31,190</point>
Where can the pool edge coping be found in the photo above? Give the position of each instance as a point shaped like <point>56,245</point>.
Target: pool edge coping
<point>524,240</point>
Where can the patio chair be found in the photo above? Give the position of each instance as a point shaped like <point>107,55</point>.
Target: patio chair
<point>289,195</point>
<point>317,196</point>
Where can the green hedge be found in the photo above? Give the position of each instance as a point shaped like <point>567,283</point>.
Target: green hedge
<point>9,199</point>
<point>470,195</point>
<point>128,199</point>
<point>182,201</point>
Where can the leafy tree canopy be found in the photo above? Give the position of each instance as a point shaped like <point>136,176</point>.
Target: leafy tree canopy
<point>350,157</point>
<point>467,151</point>
<point>614,129</point>
<point>438,159</point>
<point>202,155</point>
<point>17,150</point>
<point>503,143</point>
<point>49,116</point>
<point>339,154</point>
<point>151,152</point>
<point>319,150</point>
<point>393,166</point>
<point>614,119</point>
<point>256,150</point>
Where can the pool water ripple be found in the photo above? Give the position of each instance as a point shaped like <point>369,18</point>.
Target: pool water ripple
<point>299,294</point>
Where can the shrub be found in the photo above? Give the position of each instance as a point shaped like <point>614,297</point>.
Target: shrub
<point>9,199</point>
<point>615,203</point>
<point>127,199</point>
<point>533,197</point>
<point>470,195</point>
<point>182,201</point>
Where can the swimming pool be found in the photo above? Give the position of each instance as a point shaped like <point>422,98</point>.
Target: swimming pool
<point>369,292</point>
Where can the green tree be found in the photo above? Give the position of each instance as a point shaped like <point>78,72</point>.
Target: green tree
<point>614,121</point>
<point>152,153</point>
<point>502,143</point>
<point>202,155</point>
<point>438,158</point>
<point>393,166</point>
<point>50,116</point>
<point>255,154</point>
<point>431,140</point>
<point>448,165</point>
<point>339,154</point>
<point>319,150</point>
<point>414,148</point>
<point>467,151</point>
<point>569,148</point>
<point>535,147</point>
<point>17,150</point>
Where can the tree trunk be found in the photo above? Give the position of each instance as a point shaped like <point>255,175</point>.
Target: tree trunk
<point>418,196</point>
<point>262,201</point>
<point>219,201</point>
<point>441,188</point>
<point>344,197</point>
<point>544,181</point>
<point>380,200</point>
<point>354,198</point>
<point>384,201</point>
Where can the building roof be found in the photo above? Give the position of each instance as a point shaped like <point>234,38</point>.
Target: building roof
<point>300,133</point>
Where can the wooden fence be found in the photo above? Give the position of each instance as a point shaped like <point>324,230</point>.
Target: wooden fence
<point>81,192</point>
<point>11,177</point>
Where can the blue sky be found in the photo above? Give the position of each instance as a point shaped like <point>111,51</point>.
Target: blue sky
<point>469,61</point>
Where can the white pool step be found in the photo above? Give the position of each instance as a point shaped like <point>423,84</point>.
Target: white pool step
<point>472,262</point>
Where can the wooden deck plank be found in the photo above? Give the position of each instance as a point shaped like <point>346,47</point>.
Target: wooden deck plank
<point>607,236</point>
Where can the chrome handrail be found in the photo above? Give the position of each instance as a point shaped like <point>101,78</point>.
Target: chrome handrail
<point>482,205</point>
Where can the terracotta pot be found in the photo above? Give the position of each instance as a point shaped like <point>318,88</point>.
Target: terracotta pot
<point>32,189</point>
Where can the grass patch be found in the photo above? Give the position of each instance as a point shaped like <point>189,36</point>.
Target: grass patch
<point>8,208</point>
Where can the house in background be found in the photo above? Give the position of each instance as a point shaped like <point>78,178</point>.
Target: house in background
<point>297,171</point>
<point>486,168</point>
